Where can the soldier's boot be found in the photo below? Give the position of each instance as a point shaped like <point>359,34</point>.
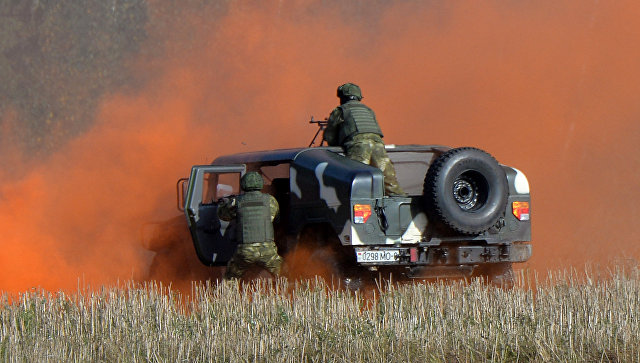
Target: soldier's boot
<point>392,189</point>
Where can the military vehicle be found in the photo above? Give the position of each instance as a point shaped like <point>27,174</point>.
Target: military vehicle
<point>465,214</point>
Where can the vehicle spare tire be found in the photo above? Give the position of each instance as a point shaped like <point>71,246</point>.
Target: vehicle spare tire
<point>466,189</point>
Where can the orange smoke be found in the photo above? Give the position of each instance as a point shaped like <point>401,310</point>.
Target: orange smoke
<point>549,88</point>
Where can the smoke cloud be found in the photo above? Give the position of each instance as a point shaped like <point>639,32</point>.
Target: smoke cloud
<point>549,88</point>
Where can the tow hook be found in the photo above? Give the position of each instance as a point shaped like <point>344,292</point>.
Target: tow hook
<point>441,254</point>
<point>505,252</point>
<point>487,254</point>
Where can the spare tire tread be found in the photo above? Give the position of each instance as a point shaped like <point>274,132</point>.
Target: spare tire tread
<point>435,197</point>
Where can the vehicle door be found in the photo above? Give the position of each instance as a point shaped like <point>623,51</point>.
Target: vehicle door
<point>213,239</point>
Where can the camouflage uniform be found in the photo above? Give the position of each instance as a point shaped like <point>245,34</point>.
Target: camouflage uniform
<point>365,147</point>
<point>255,234</point>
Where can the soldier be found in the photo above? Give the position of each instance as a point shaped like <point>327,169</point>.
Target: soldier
<point>255,212</point>
<point>353,126</point>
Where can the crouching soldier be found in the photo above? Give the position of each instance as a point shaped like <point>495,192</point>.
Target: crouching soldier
<point>255,212</point>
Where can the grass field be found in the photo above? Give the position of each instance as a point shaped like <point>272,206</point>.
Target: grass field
<point>562,318</point>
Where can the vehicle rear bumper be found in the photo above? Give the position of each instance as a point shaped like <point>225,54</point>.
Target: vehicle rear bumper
<point>450,255</point>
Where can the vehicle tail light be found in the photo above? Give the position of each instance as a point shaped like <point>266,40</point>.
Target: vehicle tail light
<point>361,213</point>
<point>521,210</point>
<point>413,254</point>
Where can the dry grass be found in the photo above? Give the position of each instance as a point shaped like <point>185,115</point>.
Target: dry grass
<point>563,319</point>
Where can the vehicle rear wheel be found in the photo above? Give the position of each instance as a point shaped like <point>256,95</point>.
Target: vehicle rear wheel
<point>497,274</point>
<point>466,189</point>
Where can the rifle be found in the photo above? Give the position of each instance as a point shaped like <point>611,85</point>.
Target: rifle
<point>322,124</point>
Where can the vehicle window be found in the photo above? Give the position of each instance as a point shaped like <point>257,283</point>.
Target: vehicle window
<point>228,184</point>
<point>220,185</point>
<point>276,178</point>
<point>271,172</point>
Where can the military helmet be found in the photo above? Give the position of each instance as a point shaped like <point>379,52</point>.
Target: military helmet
<point>251,181</point>
<point>350,90</point>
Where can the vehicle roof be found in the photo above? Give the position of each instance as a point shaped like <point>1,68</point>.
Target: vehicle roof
<point>286,155</point>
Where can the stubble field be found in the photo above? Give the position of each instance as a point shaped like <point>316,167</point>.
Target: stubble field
<point>560,317</point>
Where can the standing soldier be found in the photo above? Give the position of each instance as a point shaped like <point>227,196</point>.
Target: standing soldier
<point>255,212</point>
<point>353,126</point>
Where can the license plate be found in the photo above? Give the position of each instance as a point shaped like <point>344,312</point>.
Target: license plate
<point>377,256</point>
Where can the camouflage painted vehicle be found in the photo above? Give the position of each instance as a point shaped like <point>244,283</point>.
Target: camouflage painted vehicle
<point>465,214</point>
